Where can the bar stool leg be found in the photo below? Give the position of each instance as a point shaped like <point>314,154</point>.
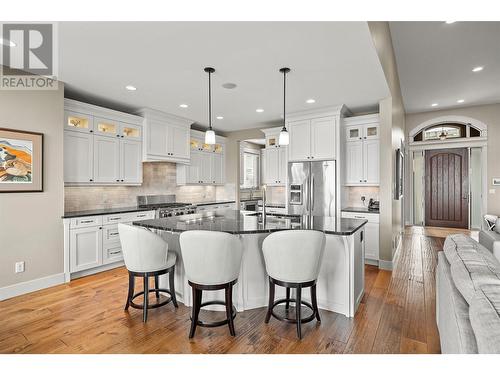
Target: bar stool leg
<point>157,285</point>
<point>197,294</point>
<point>315,302</point>
<point>298,310</point>
<point>131,282</point>
<point>146,299</point>
<point>229,309</point>
<point>171,277</point>
<point>287,305</point>
<point>271,301</point>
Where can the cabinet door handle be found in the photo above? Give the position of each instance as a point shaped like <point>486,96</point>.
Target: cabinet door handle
<point>117,180</point>
<point>360,180</point>
<point>114,218</point>
<point>91,180</point>
<point>114,252</point>
<point>91,131</point>
<point>141,215</point>
<point>86,221</point>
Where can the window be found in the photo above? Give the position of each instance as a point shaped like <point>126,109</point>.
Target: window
<point>446,131</point>
<point>250,170</point>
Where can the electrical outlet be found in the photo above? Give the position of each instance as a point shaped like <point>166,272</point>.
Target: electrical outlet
<point>19,267</point>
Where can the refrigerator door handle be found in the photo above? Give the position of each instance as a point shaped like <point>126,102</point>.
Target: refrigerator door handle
<point>312,194</point>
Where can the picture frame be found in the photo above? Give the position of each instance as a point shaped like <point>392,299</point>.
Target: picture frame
<point>21,161</point>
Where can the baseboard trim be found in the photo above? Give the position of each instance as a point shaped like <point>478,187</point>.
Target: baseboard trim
<point>385,265</point>
<point>31,286</point>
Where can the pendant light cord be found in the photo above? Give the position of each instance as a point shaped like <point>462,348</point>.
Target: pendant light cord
<point>209,100</point>
<point>284,99</point>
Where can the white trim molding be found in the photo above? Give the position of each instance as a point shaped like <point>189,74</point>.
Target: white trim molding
<point>31,286</point>
<point>385,265</point>
<point>481,126</point>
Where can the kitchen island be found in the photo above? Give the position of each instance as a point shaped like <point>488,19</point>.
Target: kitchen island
<point>340,285</point>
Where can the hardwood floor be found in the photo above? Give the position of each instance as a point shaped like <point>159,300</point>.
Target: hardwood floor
<point>397,315</point>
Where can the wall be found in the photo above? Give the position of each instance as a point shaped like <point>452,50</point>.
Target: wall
<point>392,133</point>
<point>30,223</point>
<point>490,115</point>
<point>158,178</point>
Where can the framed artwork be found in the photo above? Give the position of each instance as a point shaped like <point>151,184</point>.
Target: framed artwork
<point>21,161</point>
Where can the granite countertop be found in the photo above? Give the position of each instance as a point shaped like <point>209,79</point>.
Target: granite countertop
<point>209,203</point>
<point>104,211</point>
<point>364,210</point>
<point>234,222</point>
<point>273,205</point>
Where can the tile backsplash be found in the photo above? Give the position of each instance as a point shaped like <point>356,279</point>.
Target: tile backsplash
<point>352,195</point>
<point>158,178</point>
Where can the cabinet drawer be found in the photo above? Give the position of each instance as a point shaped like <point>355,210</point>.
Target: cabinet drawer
<point>110,234</point>
<point>143,215</point>
<point>87,221</point>
<point>115,219</point>
<point>372,218</point>
<point>112,253</point>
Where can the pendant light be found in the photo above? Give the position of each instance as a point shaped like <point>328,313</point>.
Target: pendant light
<point>209,134</point>
<point>284,138</point>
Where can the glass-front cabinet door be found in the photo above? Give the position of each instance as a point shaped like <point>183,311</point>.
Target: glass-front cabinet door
<point>371,131</point>
<point>130,132</point>
<point>218,148</point>
<point>105,127</point>
<point>78,122</point>
<point>354,133</point>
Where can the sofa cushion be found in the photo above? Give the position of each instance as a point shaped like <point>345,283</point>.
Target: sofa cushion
<point>455,331</point>
<point>485,319</point>
<point>497,226</point>
<point>472,265</point>
<point>491,240</point>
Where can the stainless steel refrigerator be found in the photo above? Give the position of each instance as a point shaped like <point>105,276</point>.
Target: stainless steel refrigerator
<point>311,188</point>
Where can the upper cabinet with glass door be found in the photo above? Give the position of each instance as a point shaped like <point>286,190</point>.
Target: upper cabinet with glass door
<point>117,129</point>
<point>79,122</point>
<point>198,144</point>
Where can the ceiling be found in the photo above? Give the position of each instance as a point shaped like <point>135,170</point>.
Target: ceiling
<point>435,62</point>
<point>332,62</point>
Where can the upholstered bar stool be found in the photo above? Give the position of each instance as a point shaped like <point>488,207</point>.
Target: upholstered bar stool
<point>146,255</point>
<point>293,260</point>
<point>212,261</point>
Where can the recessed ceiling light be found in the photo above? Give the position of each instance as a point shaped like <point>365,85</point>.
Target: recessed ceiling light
<point>220,117</point>
<point>183,105</point>
<point>460,100</point>
<point>434,104</point>
<point>478,68</point>
<point>7,42</point>
<point>310,101</point>
<point>259,110</point>
<point>131,88</point>
<point>450,22</point>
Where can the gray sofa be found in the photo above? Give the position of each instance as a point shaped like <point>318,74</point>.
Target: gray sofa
<point>491,239</point>
<point>468,297</point>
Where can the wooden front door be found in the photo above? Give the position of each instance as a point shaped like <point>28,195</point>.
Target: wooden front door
<point>446,188</point>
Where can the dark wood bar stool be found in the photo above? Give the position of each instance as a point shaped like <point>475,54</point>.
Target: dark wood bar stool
<point>293,260</point>
<point>212,261</point>
<point>146,255</point>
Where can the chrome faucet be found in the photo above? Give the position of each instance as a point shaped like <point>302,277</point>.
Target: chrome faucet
<point>264,187</point>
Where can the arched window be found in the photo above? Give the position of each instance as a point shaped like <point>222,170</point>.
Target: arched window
<point>444,131</point>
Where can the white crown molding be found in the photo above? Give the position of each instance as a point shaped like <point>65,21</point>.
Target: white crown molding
<point>339,110</point>
<point>94,110</point>
<point>360,120</point>
<point>149,113</point>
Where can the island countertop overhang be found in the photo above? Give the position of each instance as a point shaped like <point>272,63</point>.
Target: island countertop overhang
<point>235,222</point>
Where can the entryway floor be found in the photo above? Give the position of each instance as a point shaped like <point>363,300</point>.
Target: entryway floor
<point>397,315</point>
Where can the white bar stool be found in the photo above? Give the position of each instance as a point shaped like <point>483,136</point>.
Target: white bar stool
<point>212,261</point>
<point>293,260</point>
<point>146,255</point>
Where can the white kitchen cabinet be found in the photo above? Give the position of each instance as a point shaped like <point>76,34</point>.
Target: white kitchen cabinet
<point>101,146</point>
<point>130,161</point>
<point>371,168</point>
<point>106,159</point>
<point>300,140</point>
<point>313,139</point>
<point>93,242</point>
<point>354,162</point>
<point>166,137</point>
<point>207,162</point>
<point>85,248</point>
<point>78,122</point>
<point>275,169</point>
<point>371,232</point>
<point>78,157</point>
<point>362,151</point>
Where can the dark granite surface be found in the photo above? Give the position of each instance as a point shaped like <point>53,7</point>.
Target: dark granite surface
<point>209,203</point>
<point>273,205</point>
<point>364,210</point>
<point>104,211</point>
<point>234,222</point>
